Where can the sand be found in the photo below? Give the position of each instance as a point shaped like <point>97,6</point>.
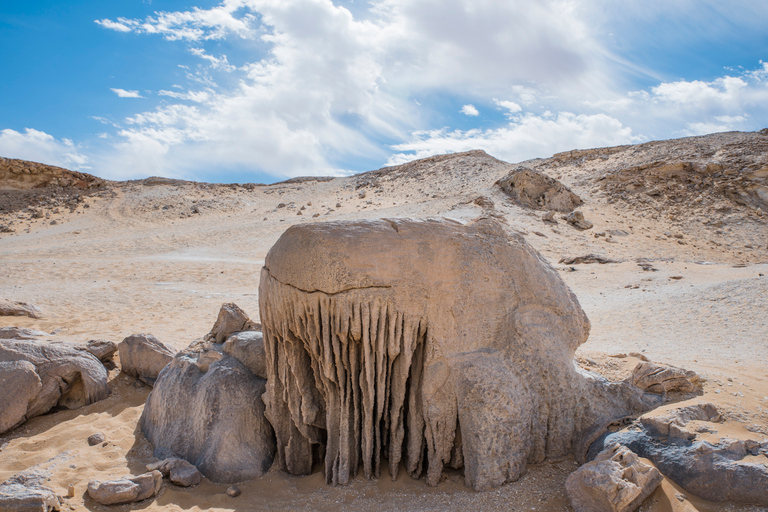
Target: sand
<point>161,257</point>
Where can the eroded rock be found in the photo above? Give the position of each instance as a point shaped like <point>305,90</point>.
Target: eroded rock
<point>248,348</point>
<point>37,375</point>
<point>231,319</point>
<point>663,379</point>
<point>15,308</point>
<point>537,190</point>
<point>143,356</point>
<point>616,481</point>
<point>27,492</point>
<point>126,490</point>
<point>178,471</point>
<point>206,408</point>
<point>103,350</point>
<point>577,220</point>
<point>430,342</point>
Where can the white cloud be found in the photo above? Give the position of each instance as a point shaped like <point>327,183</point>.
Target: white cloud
<point>215,62</point>
<point>122,93</point>
<point>41,147</point>
<point>115,25</point>
<point>469,110</point>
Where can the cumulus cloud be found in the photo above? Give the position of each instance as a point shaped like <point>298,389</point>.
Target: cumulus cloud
<point>41,147</point>
<point>122,93</point>
<point>469,110</point>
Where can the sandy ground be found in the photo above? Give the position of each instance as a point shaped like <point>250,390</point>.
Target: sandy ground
<point>162,258</point>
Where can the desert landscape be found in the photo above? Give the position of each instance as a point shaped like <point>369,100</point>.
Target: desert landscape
<point>663,244</point>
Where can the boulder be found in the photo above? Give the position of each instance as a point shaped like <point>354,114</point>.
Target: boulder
<point>428,342</point>
<point>231,319</point>
<point>125,490</point>
<point>664,379</point>
<point>248,348</point>
<point>143,356</point>
<point>26,492</point>
<point>577,220</point>
<point>37,375</point>
<point>103,350</point>
<point>179,471</point>
<point>15,308</point>
<point>206,408</point>
<point>616,481</point>
<point>537,190</point>
<point>715,472</point>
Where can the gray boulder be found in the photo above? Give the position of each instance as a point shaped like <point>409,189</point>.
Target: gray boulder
<point>178,471</point>
<point>248,348</point>
<point>231,319</point>
<point>26,492</point>
<point>126,490</point>
<point>143,356</point>
<point>103,350</point>
<point>206,408</point>
<point>537,190</point>
<point>616,481</point>
<point>37,375</point>
<point>15,308</point>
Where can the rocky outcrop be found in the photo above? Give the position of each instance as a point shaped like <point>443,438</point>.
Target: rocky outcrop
<point>616,481</point>
<point>716,472</point>
<point>27,492</point>
<point>206,408</point>
<point>22,174</point>
<point>536,190</point>
<point>427,342</point>
<point>143,356</point>
<point>231,319</point>
<point>37,375</point>
<point>126,490</point>
<point>15,308</point>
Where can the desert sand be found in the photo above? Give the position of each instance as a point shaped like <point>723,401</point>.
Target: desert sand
<point>687,287</point>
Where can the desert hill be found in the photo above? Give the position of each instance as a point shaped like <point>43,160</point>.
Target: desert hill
<point>681,224</point>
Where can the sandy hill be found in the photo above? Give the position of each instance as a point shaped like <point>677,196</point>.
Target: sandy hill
<point>684,223</point>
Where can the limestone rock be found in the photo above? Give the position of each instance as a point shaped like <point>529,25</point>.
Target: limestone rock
<point>103,350</point>
<point>22,333</point>
<point>536,190</point>
<point>37,375</point>
<point>616,481</point>
<point>715,472</point>
<point>663,379</point>
<point>231,319</point>
<point>577,220</point>
<point>14,308</point>
<point>143,356</point>
<point>248,348</point>
<point>179,471</point>
<point>206,408</point>
<point>126,490</point>
<point>429,341</point>
<point>26,492</point>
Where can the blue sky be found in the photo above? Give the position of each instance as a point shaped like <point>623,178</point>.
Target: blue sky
<point>262,90</point>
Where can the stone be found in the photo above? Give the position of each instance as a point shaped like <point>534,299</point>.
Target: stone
<point>577,220</point>
<point>26,492</point>
<point>549,217</point>
<point>126,490</point>
<point>37,375</point>
<point>206,408</point>
<point>616,481</point>
<point>143,356</point>
<point>233,491</point>
<point>231,319</point>
<point>662,379</point>
<point>96,438</point>
<point>15,308</point>
<point>103,350</point>
<point>179,471</point>
<point>429,342</point>
<point>588,258</point>
<point>248,348</point>
<point>715,472</point>
<point>484,202</point>
<point>537,190</point>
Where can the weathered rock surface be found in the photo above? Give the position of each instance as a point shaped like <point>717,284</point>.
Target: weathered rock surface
<point>587,258</point>
<point>537,190</point>
<point>231,319</point>
<point>37,375</point>
<point>126,490</point>
<point>15,308</point>
<point>179,471</point>
<point>143,356</point>
<point>664,379</point>
<point>26,492</point>
<point>616,481</point>
<point>206,408</point>
<point>430,342</point>
<point>96,438</point>
<point>715,472</point>
<point>577,220</point>
<point>248,348</point>
<point>103,350</point>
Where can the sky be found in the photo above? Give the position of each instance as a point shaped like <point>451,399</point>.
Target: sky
<point>264,90</point>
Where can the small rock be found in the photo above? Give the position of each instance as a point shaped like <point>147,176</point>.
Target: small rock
<point>231,319</point>
<point>96,438</point>
<point>143,356</point>
<point>71,491</point>
<point>234,491</point>
<point>338,205</point>
<point>14,308</point>
<point>484,201</point>
<point>549,217</point>
<point>27,492</point>
<point>281,205</point>
<point>361,195</point>
<point>126,490</point>
<point>577,220</point>
<point>104,350</point>
<point>180,472</point>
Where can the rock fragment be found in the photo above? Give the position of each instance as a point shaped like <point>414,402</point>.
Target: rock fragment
<point>15,308</point>
<point>179,471</point>
<point>96,438</point>
<point>248,348</point>
<point>662,379</point>
<point>126,490</point>
<point>103,350</point>
<point>616,481</point>
<point>231,319</point>
<point>143,356</point>
<point>26,492</point>
<point>587,258</point>
<point>577,220</point>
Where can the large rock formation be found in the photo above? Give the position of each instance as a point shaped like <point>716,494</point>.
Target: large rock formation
<point>536,190</point>
<point>430,342</point>
<point>206,408</point>
<point>37,375</point>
